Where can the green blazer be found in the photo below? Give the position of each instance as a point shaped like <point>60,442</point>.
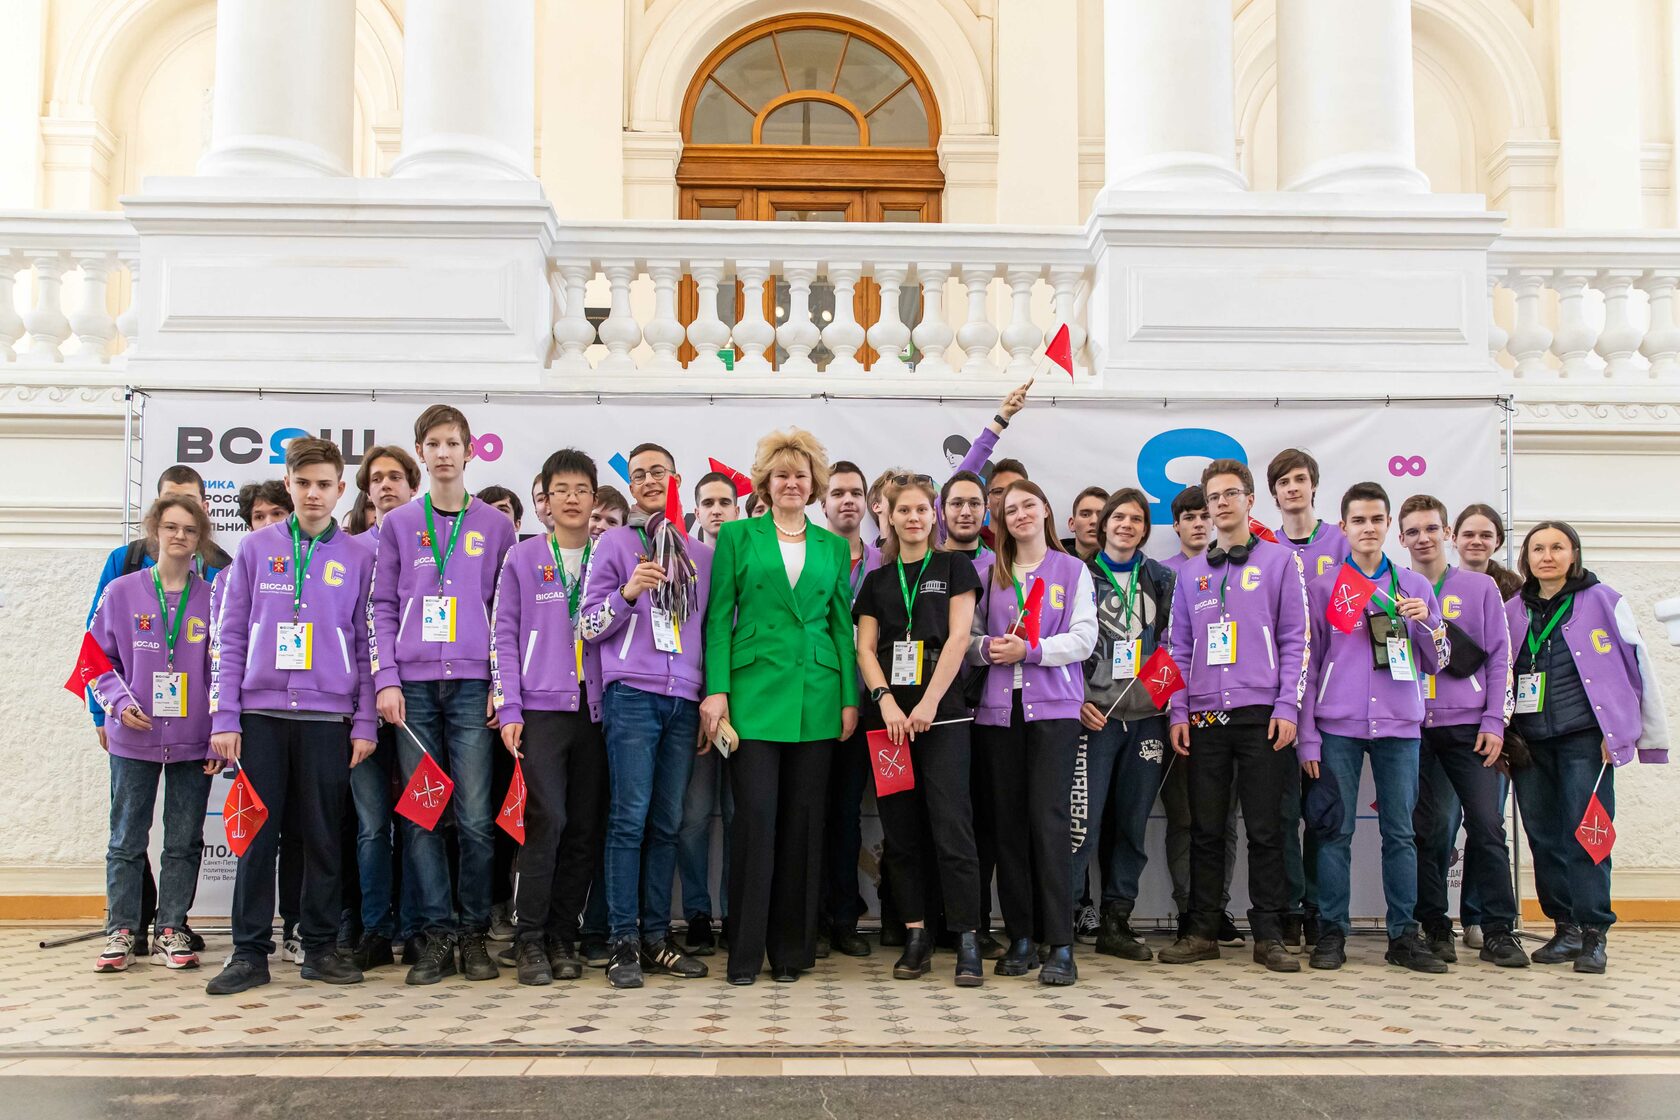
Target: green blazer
<point>784,655</point>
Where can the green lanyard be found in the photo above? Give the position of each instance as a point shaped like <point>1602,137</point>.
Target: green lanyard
<point>576,587</point>
<point>910,593</point>
<point>1127,597</point>
<point>1225,579</point>
<point>1534,643</point>
<point>442,558</point>
<point>171,632</point>
<point>1442,582</point>
<point>302,559</point>
<point>1389,608</point>
<point>647,548</point>
<point>1020,598</point>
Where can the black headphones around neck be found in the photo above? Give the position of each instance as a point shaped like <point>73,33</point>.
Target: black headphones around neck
<point>1236,554</point>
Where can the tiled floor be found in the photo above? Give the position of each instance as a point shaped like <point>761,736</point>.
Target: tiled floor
<point>849,1013</point>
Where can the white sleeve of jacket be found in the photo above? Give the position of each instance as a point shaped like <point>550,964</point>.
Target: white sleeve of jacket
<point>1652,714</point>
<point>1081,636</point>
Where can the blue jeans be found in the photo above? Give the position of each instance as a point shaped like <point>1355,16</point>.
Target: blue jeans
<point>1553,796</point>
<point>1394,767</point>
<point>708,793</point>
<point>370,790</point>
<point>1300,852</point>
<point>651,741</point>
<point>448,717</point>
<point>1124,765</point>
<point>186,793</point>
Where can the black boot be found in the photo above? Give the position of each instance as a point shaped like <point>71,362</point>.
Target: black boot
<point>1565,945</point>
<point>917,957</point>
<point>969,972</point>
<point>531,961</point>
<point>1116,938</point>
<point>1592,955</point>
<point>1443,944</point>
<point>1059,968</point>
<point>1021,959</point>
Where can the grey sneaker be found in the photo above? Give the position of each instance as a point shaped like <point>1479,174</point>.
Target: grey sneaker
<point>1473,937</point>
<point>501,926</point>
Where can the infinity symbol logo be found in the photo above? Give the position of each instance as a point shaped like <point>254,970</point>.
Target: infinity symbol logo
<point>1401,465</point>
<point>488,447</point>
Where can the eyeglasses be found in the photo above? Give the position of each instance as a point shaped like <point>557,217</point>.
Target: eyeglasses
<point>1417,531</point>
<point>652,474</point>
<point>1235,494</point>
<point>564,492</point>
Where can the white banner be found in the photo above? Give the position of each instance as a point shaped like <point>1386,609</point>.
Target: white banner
<point>1448,448</point>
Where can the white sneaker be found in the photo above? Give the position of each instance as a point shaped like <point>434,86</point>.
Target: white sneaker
<point>173,949</point>
<point>1086,925</point>
<point>292,950</point>
<point>118,954</point>
<point>1472,937</point>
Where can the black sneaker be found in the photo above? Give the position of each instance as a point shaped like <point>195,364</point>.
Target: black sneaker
<point>851,942</point>
<point>664,956</point>
<point>1329,948</point>
<point>437,960</point>
<point>624,970</point>
<point>475,957</point>
<point>533,963</point>
<point>1444,945</point>
<point>563,962</point>
<point>700,940</point>
<point>372,951</point>
<point>1502,949</point>
<point>1565,945</point>
<point>596,951</point>
<point>1229,934</point>
<point>1410,950</point>
<point>1086,924</point>
<point>412,948</point>
<point>330,967</point>
<point>1592,957</point>
<point>239,975</point>
<point>1310,928</point>
<point>193,939</point>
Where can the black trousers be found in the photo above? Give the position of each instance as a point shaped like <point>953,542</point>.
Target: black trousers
<point>506,847</point>
<point>1261,775</point>
<point>1487,861</point>
<point>775,853</point>
<point>935,816</point>
<point>849,776</point>
<point>301,770</point>
<point>1031,776</point>
<point>985,830</point>
<point>565,822</point>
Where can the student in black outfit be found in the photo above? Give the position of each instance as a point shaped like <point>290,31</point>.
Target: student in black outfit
<point>914,613</point>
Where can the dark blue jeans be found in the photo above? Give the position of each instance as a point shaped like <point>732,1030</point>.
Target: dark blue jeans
<point>651,741</point>
<point>134,786</point>
<point>1552,795</point>
<point>1394,767</point>
<point>708,794</point>
<point>448,717</point>
<point>1300,852</point>
<point>1124,765</point>
<point>1452,780</point>
<point>370,790</point>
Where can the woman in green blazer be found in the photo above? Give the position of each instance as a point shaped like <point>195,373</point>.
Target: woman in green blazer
<point>780,667</point>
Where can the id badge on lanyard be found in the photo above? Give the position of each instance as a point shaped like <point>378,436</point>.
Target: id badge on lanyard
<point>906,663</point>
<point>1400,659</point>
<point>294,645</point>
<point>667,636</point>
<point>1531,693</point>
<point>437,618</point>
<point>1127,656</point>
<point>1221,643</point>
<point>169,695</point>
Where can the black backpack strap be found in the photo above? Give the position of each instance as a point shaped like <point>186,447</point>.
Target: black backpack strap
<point>134,556</point>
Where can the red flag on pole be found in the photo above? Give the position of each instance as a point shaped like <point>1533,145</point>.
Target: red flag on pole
<point>1032,617</point>
<point>1160,676</point>
<point>91,664</point>
<point>512,816</point>
<point>893,773</point>
<point>427,794</point>
<point>243,814</point>
<point>673,502</point>
<point>1060,350</point>
<point>1261,531</point>
<point>1348,598</point>
<point>743,484</point>
<point>1596,832</point>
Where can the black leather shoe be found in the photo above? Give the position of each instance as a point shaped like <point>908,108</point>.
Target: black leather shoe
<point>372,951</point>
<point>240,975</point>
<point>664,956</point>
<point>893,934</point>
<point>1410,950</point>
<point>743,981</point>
<point>1189,949</point>
<point>532,963</point>
<point>1565,945</point>
<point>1059,969</point>
<point>1229,934</point>
<point>991,949</point>
<point>330,967</point>
<point>970,974</point>
<point>1275,956</point>
<point>1329,949</point>
<point>475,957</point>
<point>437,960</point>
<point>1502,949</point>
<point>1444,945</point>
<point>1021,959</point>
<point>624,970</point>
<point>700,940</point>
<point>1116,938</point>
<point>1592,957</point>
<point>850,942</point>
<point>784,974</point>
<point>917,957</point>
<point>563,962</point>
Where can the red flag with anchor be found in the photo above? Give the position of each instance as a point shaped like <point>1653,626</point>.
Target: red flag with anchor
<point>1348,598</point>
<point>1596,832</point>
<point>427,794</point>
<point>1032,615</point>
<point>1160,676</point>
<point>891,763</point>
<point>512,816</point>
<point>91,664</point>
<point>743,484</point>
<point>243,814</point>
<point>1060,350</point>
<point>673,502</point>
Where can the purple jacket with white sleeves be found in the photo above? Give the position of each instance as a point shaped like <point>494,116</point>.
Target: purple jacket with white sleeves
<point>257,597</point>
<point>1470,601</point>
<point>1267,599</point>
<point>130,629</point>
<point>1346,694</point>
<point>1052,676</point>
<point>533,651</point>
<point>621,633</point>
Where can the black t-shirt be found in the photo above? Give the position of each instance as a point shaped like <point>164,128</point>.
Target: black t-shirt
<point>933,580</point>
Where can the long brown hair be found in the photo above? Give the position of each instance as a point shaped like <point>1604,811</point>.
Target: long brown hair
<point>1509,582</point>
<point>896,486</point>
<point>1003,571</point>
<point>193,509</point>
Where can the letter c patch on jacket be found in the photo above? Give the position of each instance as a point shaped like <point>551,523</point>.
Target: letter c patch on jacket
<point>1451,606</point>
<point>473,543</point>
<point>1058,596</point>
<point>1324,563</point>
<point>196,630</point>
<point>1250,578</point>
<point>1600,641</point>
<point>333,574</point>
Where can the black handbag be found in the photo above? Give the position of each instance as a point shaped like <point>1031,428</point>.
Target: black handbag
<point>1466,656</point>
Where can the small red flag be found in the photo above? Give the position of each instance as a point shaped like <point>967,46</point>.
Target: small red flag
<point>1060,350</point>
<point>673,502</point>
<point>243,814</point>
<point>893,773</point>
<point>1160,676</point>
<point>91,664</point>
<point>427,794</point>
<point>743,484</point>
<point>1348,598</point>
<point>512,816</point>
<point>1261,531</point>
<point>1596,832</point>
<point>1032,615</point>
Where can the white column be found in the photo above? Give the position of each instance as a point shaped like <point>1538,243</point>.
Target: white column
<point>573,331</point>
<point>753,334</point>
<point>469,90</point>
<point>1575,337</point>
<point>1619,341</point>
<point>284,89</point>
<point>1661,345</point>
<point>798,335</point>
<point>1167,92</point>
<point>92,323</point>
<point>46,323</point>
<point>933,334</point>
<point>977,335</point>
<point>707,334</point>
<point>844,336</point>
<point>619,332</point>
<point>889,334</point>
<point>1345,97</point>
<point>1530,338</point>
<point>663,332</point>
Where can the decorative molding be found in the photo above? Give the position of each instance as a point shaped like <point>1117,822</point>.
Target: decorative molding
<point>82,525</point>
<point>24,398</point>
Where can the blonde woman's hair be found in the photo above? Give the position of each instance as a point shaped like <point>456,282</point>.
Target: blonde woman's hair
<point>793,448</point>
<point>895,486</point>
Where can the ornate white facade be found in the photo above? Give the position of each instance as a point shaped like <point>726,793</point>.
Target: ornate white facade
<point>1264,197</point>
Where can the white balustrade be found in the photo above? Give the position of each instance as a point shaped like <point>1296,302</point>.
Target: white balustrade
<point>889,335</point>
<point>619,332</point>
<point>1021,337</point>
<point>977,336</point>
<point>1066,284</point>
<point>799,335</point>
<point>573,331</point>
<point>932,335</point>
<point>93,324</point>
<point>1619,341</point>
<point>664,333</point>
<point>753,334</point>
<point>11,323</point>
<point>708,333</point>
<point>1661,345</point>
<point>844,336</point>
<point>1574,338</point>
<point>64,269</point>
<point>48,327</point>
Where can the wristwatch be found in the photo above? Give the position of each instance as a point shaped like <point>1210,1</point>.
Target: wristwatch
<point>998,419</point>
<point>875,694</point>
